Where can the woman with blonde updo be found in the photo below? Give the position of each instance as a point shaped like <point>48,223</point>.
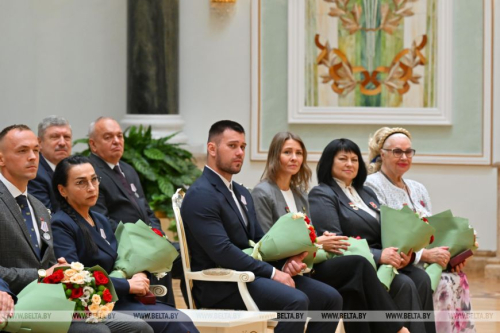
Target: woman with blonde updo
<point>391,155</point>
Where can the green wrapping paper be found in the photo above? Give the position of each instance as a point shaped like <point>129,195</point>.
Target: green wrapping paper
<point>404,230</point>
<point>454,232</point>
<point>358,247</point>
<point>43,299</point>
<point>140,249</point>
<point>288,237</point>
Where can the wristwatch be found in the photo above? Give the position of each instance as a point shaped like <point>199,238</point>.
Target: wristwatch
<point>41,274</point>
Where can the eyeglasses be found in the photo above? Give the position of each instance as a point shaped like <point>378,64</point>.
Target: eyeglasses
<point>396,152</point>
<point>83,184</point>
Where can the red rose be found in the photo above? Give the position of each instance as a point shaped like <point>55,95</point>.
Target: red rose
<point>306,218</point>
<point>54,278</point>
<point>158,232</point>
<point>106,296</point>
<point>312,234</point>
<point>58,276</point>
<point>76,293</point>
<point>100,278</point>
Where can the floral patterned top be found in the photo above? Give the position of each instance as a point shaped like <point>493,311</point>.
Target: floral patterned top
<point>395,197</point>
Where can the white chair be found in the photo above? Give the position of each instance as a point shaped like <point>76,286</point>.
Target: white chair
<point>214,274</point>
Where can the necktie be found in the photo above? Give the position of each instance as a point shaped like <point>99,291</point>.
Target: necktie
<point>22,201</point>
<point>123,180</point>
<point>238,204</point>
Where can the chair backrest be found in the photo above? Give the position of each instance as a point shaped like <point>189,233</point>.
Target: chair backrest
<point>186,261</point>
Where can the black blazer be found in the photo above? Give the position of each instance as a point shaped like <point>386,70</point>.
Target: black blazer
<point>216,234</point>
<point>41,186</point>
<point>330,211</point>
<point>114,201</point>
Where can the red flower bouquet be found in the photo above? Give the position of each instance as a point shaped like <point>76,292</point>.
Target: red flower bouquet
<point>89,288</point>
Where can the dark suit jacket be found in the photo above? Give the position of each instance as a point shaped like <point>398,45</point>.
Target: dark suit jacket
<point>41,186</point>
<point>114,201</point>
<point>18,261</point>
<point>330,211</point>
<point>216,234</point>
<point>5,288</point>
<point>69,243</point>
<point>270,203</point>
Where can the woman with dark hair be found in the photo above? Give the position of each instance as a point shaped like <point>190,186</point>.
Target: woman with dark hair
<point>282,190</point>
<point>342,205</point>
<point>85,236</point>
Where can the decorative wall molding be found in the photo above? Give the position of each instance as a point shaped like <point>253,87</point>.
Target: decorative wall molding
<point>298,113</point>
<point>440,117</point>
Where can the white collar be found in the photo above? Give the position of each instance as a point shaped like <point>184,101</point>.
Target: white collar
<point>229,184</point>
<point>342,184</point>
<point>51,165</point>
<point>14,191</point>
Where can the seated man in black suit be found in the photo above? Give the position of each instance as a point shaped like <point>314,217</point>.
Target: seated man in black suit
<point>54,137</point>
<point>220,220</point>
<point>7,300</point>
<point>121,197</point>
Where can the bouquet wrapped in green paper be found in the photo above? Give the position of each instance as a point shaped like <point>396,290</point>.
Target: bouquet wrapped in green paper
<point>50,306</point>
<point>142,248</point>
<point>358,247</point>
<point>292,234</point>
<point>404,230</point>
<point>453,232</point>
<point>46,302</point>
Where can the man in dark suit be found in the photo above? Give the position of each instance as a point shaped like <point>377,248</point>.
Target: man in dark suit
<point>220,220</point>
<point>54,137</point>
<point>25,243</point>
<point>121,197</point>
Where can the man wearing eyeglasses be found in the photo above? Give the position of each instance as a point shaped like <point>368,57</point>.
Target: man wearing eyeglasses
<point>54,137</point>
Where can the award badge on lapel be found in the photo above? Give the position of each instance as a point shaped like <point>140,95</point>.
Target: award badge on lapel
<point>134,189</point>
<point>353,206</point>
<point>103,235</point>
<point>373,205</point>
<point>244,202</point>
<point>45,229</point>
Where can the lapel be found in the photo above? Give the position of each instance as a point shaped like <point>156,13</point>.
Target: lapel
<point>105,169</point>
<point>96,235</point>
<point>301,205</point>
<point>344,200</point>
<point>46,166</point>
<point>222,188</point>
<point>39,219</point>
<point>14,209</point>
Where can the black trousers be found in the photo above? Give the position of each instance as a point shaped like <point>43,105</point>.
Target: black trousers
<point>356,280</point>
<point>411,290</point>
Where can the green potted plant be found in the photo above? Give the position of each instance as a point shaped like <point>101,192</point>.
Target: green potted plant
<point>162,166</point>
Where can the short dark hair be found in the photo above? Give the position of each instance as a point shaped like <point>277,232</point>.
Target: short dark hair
<point>325,164</point>
<point>7,129</point>
<point>219,127</point>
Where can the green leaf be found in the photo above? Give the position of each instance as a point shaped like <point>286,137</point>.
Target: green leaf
<point>154,153</point>
<point>143,167</point>
<point>166,186</point>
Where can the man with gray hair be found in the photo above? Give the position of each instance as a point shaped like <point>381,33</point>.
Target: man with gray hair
<point>54,137</point>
